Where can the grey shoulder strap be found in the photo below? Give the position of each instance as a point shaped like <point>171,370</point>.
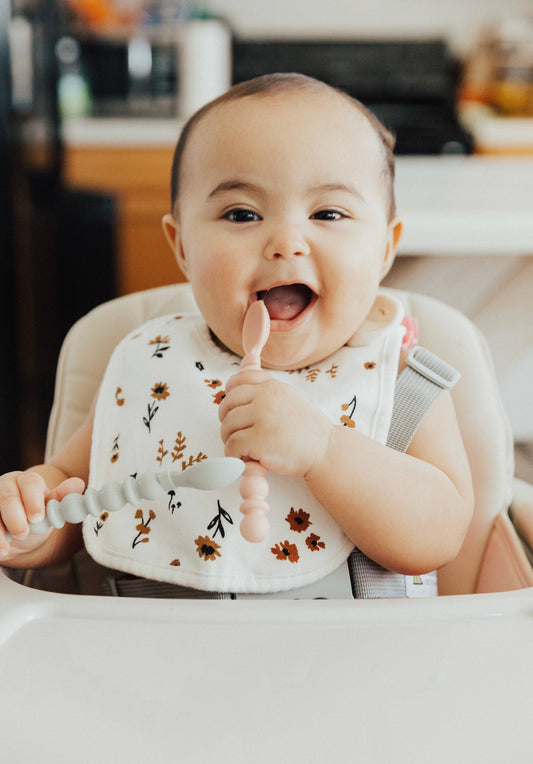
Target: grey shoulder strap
<point>419,385</point>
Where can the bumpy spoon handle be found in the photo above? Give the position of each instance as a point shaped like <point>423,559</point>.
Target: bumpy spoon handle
<point>112,497</point>
<point>254,486</point>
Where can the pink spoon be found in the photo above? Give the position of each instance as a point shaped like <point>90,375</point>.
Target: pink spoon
<point>254,486</point>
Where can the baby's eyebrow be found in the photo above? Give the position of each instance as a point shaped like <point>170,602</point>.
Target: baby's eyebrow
<point>234,185</point>
<point>346,187</point>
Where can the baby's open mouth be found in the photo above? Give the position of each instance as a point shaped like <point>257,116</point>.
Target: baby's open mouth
<point>287,301</point>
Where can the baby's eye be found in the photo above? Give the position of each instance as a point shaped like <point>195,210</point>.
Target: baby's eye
<point>328,215</point>
<point>241,215</point>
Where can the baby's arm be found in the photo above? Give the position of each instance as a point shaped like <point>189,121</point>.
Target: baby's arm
<point>23,496</point>
<point>408,512</point>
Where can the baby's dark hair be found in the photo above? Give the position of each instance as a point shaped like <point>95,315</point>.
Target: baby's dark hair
<point>280,83</point>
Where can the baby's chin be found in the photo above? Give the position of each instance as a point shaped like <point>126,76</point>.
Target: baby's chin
<point>278,356</point>
<point>283,361</point>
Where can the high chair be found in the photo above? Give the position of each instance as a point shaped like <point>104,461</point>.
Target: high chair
<point>435,679</point>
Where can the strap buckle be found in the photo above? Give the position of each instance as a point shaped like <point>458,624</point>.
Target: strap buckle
<point>432,368</point>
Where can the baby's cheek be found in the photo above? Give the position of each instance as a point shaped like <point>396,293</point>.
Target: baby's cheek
<point>220,268</point>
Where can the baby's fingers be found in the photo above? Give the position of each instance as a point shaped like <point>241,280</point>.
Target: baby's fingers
<point>247,377</point>
<point>70,485</point>
<point>240,396</point>
<point>236,420</point>
<point>12,510</point>
<point>22,498</point>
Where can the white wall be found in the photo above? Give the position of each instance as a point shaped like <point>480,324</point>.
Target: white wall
<point>458,21</point>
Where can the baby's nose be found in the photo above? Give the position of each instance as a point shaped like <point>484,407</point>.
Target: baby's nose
<point>286,242</point>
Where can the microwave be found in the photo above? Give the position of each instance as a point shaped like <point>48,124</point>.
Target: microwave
<point>130,77</point>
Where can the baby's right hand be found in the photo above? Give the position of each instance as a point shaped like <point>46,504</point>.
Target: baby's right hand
<point>23,499</point>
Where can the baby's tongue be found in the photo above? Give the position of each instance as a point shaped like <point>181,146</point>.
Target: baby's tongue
<point>286,302</point>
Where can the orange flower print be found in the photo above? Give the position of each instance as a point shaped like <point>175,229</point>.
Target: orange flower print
<point>175,563</point>
<point>314,543</point>
<point>118,398</point>
<point>100,522</point>
<point>161,346</point>
<point>214,383</point>
<point>312,374</point>
<point>160,391</point>
<point>347,419</point>
<point>219,397</point>
<point>298,521</point>
<point>161,452</point>
<point>142,527</point>
<point>159,340</point>
<point>206,548</point>
<point>115,450</point>
<point>370,365</point>
<point>285,551</point>
<point>193,460</point>
<point>179,446</point>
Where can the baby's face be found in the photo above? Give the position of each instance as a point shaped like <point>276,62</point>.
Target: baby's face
<point>285,193</point>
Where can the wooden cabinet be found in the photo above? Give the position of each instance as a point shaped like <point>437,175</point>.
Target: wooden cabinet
<point>140,180</point>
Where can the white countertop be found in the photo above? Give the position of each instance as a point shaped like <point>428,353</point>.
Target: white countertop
<point>115,131</point>
<point>479,205</point>
<point>466,205</point>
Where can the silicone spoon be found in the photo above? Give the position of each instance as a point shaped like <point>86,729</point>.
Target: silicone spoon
<point>73,508</point>
<point>254,486</point>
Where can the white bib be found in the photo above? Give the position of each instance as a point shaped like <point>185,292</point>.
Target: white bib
<point>158,408</point>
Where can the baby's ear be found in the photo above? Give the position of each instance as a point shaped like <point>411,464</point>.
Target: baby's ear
<point>394,234</point>
<point>172,235</point>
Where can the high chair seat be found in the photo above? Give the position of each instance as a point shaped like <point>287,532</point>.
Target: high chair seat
<point>442,329</point>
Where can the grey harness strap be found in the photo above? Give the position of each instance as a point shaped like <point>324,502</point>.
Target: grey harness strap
<point>419,385</point>
<point>131,586</point>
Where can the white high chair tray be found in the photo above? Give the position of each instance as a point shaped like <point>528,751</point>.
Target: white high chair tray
<point>88,679</point>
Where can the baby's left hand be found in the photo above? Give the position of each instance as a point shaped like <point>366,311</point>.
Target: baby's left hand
<point>269,422</point>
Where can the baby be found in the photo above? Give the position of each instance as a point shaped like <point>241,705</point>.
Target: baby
<point>282,190</point>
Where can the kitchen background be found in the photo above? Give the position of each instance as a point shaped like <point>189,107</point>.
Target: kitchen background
<point>92,95</point>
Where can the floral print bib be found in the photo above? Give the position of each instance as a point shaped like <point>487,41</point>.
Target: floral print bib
<point>158,409</point>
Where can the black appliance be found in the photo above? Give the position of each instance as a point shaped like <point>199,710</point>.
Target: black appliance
<point>410,85</point>
<point>114,92</point>
<point>57,243</point>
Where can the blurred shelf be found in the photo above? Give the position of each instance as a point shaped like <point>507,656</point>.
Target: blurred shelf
<point>497,134</point>
<point>121,132</point>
